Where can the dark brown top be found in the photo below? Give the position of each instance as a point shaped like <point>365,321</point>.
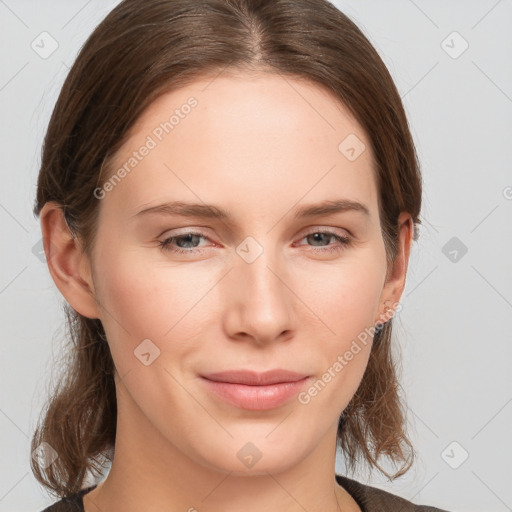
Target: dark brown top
<point>369,499</point>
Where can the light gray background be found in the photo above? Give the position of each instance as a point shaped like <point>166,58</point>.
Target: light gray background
<point>454,329</point>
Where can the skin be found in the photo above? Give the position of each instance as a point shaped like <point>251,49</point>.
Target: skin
<point>260,147</point>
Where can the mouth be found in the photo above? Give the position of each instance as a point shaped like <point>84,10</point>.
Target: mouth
<point>255,391</point>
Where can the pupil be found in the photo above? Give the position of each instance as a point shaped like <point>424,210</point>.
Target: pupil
<point>187,238</point>
<point>317,235</point>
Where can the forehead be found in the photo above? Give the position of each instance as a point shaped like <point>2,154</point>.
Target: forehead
<point>266,102</point>
<point>248,134</point>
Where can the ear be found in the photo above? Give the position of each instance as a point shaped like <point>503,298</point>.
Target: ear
<point>69,266</point>
<point>395,283</point>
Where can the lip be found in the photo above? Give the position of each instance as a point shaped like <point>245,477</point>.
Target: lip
<point>253,378</point>
<point>255,391</point>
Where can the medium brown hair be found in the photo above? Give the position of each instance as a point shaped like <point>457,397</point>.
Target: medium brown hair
<point>144,49</point>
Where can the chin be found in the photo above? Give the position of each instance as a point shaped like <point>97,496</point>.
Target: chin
<point>251,458</point>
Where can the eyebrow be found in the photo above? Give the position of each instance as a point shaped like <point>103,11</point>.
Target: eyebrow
<point>209,211</point>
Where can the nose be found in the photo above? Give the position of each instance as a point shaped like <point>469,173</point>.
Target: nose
<point>259,302</point>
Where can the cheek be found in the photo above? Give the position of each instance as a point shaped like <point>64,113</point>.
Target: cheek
<point>142,300</point>
<point>343,356</point>
<point>346,298</point>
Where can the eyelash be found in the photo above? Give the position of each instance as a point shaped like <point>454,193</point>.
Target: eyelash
<point>343,242</point>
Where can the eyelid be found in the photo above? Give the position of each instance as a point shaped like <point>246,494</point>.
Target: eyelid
<point>330,229</point>
<point>184,231</point>
<point>187,231</point>
<point>313,229</point>
<point>343,241</point>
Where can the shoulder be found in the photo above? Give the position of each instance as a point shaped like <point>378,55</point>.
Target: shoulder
<point>73,503</point>
<point>372,499</point>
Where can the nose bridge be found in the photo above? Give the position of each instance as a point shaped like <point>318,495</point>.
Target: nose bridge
<point>262,279</point>
<point>261,304</point>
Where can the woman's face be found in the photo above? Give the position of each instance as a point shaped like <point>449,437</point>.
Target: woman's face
<point>260,287</point>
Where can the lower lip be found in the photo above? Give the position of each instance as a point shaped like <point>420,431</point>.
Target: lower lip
<point>255,398</point>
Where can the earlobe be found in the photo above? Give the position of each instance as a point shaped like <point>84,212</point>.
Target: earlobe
<point>68,265</point>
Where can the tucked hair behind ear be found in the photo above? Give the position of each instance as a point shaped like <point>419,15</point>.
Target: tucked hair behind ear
<point>143,49</point>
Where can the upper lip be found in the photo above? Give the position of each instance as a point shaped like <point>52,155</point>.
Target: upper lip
<point>255,378</point>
